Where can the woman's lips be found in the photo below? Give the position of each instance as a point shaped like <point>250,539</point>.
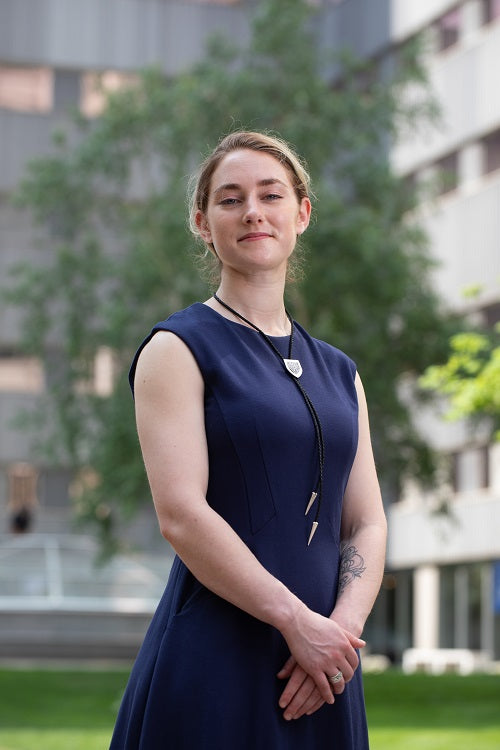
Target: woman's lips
<point>254,236</point>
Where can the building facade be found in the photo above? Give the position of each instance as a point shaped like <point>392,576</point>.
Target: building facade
<point>444,545</point>
<point>443,573</point>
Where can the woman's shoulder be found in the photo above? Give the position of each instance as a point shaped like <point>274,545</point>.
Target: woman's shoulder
<point>183,323</point>
<point>188,317</point>
<point>330,353</point>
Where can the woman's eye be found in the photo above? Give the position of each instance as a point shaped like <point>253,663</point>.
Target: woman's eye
<point>272,196</point>
<point>228,201</point>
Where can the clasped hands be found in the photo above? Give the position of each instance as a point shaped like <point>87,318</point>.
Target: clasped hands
<point>319,648</point>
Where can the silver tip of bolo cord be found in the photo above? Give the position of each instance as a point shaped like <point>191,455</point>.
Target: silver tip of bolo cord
<point>313,531</point>
<point>311,502</point>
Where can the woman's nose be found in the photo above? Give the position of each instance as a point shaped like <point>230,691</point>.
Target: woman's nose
<point>252,212</point>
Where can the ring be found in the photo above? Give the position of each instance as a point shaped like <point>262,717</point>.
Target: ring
<point>336,677</point>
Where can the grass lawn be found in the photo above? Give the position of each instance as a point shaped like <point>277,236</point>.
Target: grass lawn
<point>448,712</point>
<point>58,710</point>
<point>75,710</point>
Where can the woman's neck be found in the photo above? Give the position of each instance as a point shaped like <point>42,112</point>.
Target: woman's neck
<point>260,303</point>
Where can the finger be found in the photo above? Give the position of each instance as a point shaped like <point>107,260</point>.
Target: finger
<point>350,673</point>
<point>343,668</point>
<point>347,671</point>
<point>337,682</point>
<point>324,687</point>
<point>338,687</point>
<point>287,669</point>
<point>320,702</point>
<point>303,698</point>
<point>354,640</point>
<point>293,685</point>
<point>350,666</point>
<point>310,704</point>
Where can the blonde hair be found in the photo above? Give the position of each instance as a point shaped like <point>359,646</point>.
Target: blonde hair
<point>201,184</point>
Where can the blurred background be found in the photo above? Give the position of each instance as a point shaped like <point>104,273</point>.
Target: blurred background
<point>105,108</point>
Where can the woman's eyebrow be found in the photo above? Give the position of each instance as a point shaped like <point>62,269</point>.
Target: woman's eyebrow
<point>235,186</point>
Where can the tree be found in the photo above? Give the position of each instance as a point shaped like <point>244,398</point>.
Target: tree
<point>114,198</point>
<point>470,378</point>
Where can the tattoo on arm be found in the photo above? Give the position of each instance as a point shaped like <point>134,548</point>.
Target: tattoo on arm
<point>352,566</point>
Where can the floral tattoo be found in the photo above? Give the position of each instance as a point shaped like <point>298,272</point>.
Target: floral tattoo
<point>352,566</point>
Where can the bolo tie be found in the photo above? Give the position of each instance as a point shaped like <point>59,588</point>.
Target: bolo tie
<point>293,368</point>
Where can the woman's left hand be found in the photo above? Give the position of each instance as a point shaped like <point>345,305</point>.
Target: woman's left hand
<point>301,696</point>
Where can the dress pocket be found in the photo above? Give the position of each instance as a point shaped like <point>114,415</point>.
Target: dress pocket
<point>198,593</point>
<point>185,590</point>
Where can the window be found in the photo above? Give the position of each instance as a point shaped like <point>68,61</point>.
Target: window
<point>448,29</point>
<point>491,314</point>
<point>447,606</point>
<point>447,173</point>
<point>462,605</point>
<point>470,469</point>
<point>104,371</point>
<point>100,374</point>
<point>491,10</point>
<point>20,374</point>
<point>410,183</point>
<point>491,152</point>
<point>96,86</point>
<point>22,478</point>
<point>411,190</point>
<point>26,89</point>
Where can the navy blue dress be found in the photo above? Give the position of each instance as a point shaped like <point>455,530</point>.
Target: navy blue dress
<point>205,677</point>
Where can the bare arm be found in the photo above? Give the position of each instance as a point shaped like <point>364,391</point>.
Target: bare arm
<point>363,534</point>
<point>169,393</point>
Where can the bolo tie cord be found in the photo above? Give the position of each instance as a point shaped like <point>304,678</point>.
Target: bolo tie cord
<point>318,490</point>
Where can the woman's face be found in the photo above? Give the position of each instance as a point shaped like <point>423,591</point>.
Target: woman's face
<point>253,215</point>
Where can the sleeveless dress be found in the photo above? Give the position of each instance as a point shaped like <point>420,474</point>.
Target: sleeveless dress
<point>205,677</point>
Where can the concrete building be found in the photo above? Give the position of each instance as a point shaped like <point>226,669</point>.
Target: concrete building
<point>442,568</point>
<point>446,564</point>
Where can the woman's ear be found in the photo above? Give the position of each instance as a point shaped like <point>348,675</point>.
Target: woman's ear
<point>303,216</point>
<point>203,228</point>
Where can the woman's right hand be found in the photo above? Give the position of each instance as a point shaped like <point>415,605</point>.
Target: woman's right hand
<point>322,648</point>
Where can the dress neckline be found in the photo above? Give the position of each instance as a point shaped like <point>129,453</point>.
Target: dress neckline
<point>241,325</point>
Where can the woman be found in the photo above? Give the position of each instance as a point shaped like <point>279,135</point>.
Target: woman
<point>256,443</point>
